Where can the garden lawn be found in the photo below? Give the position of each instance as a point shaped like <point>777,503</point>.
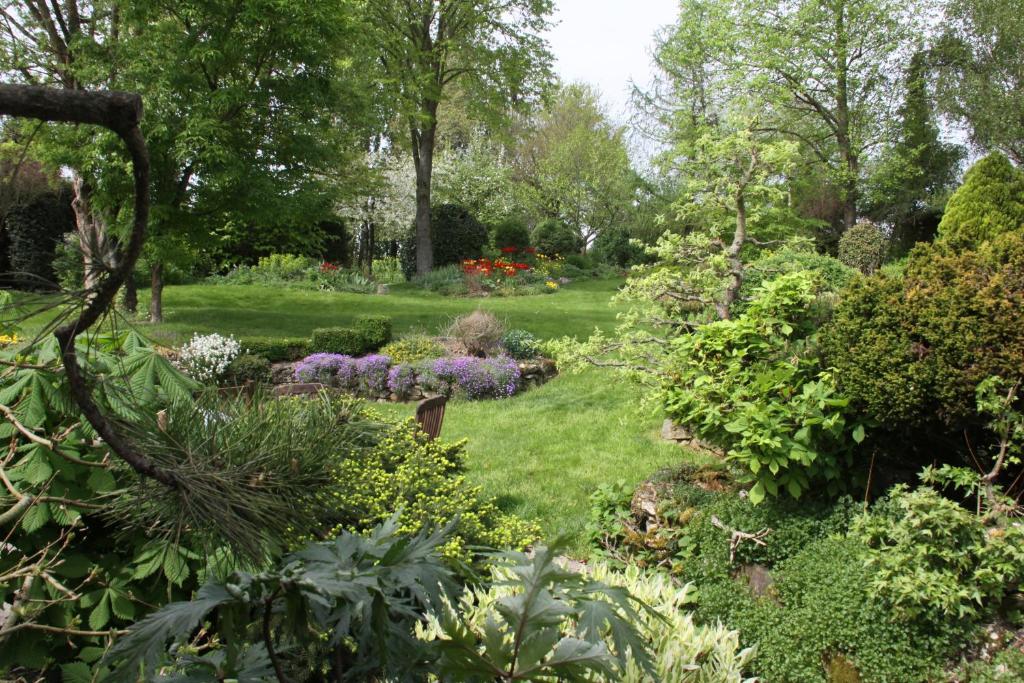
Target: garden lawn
<point>541,453</point>
<point>254,311</point>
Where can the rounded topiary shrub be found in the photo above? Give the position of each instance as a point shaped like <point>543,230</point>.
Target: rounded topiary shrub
<point>455,235</point>
<point>990,202</point>
<point>864,247</point>
<point>910,350</point>
<point>552,236</point>
<point>831,274</point>
<point>511,232</point>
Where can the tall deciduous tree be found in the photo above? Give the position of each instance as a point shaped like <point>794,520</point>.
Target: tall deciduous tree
<point>243,102</point>
<point>493,51</point>
<point>981,79</point>
<point>575,163</point>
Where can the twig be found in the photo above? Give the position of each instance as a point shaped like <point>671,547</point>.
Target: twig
<point>738,537</point>
<point>42,441</point>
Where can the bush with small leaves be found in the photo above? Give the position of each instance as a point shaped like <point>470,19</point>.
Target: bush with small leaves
<point>344,340</point>
<point>249,368</point>
<point>413,348</point>
<point>376,330</point>
<point>989,203</point>
<point>864,247</point>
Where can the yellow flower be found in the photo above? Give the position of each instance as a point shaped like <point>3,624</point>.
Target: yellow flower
<point>551,284</point>
<point>8,339</point>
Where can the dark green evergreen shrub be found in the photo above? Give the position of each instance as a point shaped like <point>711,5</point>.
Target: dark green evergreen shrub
<point>511,232</point>
<point>552,236</point>
<point>376,330</point>
<point>34,228</point>
<point>249,368</point>
<point>344,340</point>
<point>864,247</point>
<point>910,351</point>
<point>276,349</point>
<point>455,235</point>
<point>613,247</point>
<point>520,344</point>
<point>989,203</point>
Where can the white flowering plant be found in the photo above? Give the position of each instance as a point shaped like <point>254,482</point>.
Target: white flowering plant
<point>206,357</point>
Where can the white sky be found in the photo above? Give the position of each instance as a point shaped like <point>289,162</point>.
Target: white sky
<point>607,43</point>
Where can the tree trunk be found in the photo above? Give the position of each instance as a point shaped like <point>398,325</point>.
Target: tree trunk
<point>423,156</point>
<point>843,141</point>
<point>156,301</point>
<point>739,238</point>
<point>131,295</point>
<point>98,251</point>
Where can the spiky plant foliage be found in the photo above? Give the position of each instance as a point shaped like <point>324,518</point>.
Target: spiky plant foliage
<point>253,471</point>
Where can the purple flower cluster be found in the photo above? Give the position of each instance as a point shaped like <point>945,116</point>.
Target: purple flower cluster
<point>477,377</point>
<point>401,379</point>
<point>372,373</point>
<point>329,368</point>
<point>374,376</point>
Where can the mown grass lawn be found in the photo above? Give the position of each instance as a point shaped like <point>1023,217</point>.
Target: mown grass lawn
<point>253,311</point>
<point>541,453</point>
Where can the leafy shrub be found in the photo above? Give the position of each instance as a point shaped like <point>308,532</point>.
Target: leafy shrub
<point>932,560</point>
<point>511,232</point>
<point>864,247</point>
<point>344,340</point>
<point>552,236</point>
<point>355,599</point>
<point>302,272</point>
<point>376,330</point>
<point>520,344</point>
<point>206,357</point>
<point>1007,666</point>
<point>613,246</point>
<point>424,480</point>
<point>249,368</point>
<point>413,348</point>
<point>284,266</point>
<point>455,235</point>
<point>33,229</point>
<point>910,351</point>
<point>472,376</point>
<point>448,280</point>
<point>68,266</point>
<point>830,274</point>
<point>276,349</point>
<point>681,651</point>
<point>989,203</point>
<point>753,386</point>
<point>480,332</point>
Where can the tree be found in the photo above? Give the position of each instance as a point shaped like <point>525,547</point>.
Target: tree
<point>491,49</point>
<point>821,72</point>
<point>910,183</point>
<point>244,125</point>
<point>980,74</point>
<point>575,164</point>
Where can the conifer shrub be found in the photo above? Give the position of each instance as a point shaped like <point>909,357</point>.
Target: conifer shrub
<point>990,202</point>
<point>910,350</point>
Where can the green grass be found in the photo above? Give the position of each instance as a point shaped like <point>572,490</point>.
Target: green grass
<point>540,454</point>
<point>253,311</point>
<point>543,452</point>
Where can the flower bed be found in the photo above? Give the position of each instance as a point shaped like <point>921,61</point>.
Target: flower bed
<point>376,377</point>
